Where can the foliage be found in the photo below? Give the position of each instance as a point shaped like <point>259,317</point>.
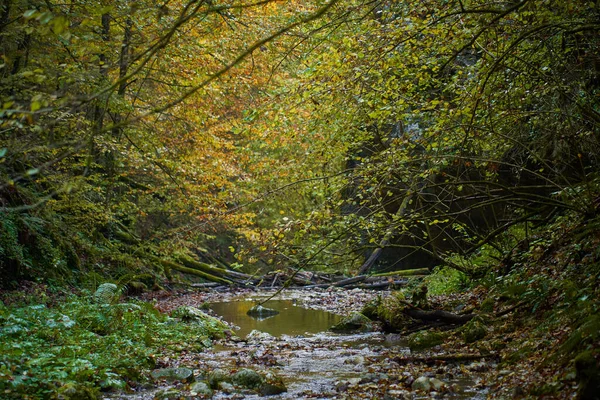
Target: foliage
<point>435,128</point>
<point>80,343</point>
<point>446,280</point>
<point>118,128</point>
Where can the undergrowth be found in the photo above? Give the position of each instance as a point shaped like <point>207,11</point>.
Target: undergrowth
<point>81,346</point>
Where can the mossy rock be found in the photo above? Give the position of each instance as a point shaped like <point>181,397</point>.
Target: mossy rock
<point>247,378</point>
<point>425,340</point>
<point>201,389</point>
<point>391,312</point>
<point>272,385</point>
<point>588,376</point>
<point>487,305</point>
<point>173,374</point>
<point>355,322</point>
<point>371,309</point>
<point>474,330</point>
<point>196,316</point>
<point>260,312</point>
<point>217,376</point>
<point>76,391</point>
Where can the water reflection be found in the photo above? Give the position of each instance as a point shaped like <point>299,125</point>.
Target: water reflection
<point>291,320</point>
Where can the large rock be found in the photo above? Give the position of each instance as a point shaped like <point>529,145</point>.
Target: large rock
<point>217,376</point>
<point>427,384</point>
<point>355,322</point>
<point>173,374</point>
<point>260,312</point>
<point>247,378</point>
<point>474,330</point>
<point>201,389</point>
<point>272,385</point>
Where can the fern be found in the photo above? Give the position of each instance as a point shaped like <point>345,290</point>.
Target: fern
<point>106,293</point>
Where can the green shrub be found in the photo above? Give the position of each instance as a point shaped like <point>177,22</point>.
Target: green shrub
<point>446,280</point>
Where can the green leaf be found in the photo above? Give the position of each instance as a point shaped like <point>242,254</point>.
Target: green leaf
<point>30,14</point>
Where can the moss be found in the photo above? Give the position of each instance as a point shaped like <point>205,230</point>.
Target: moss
<point>371,309</point>
<point>487,305</point>
<point>474,330</point>
<point>425,340</point>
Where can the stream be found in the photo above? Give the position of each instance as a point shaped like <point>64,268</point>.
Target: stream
<point>311,361</point>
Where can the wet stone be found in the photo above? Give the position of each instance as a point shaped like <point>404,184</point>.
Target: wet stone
<point>201,389</point>
<point>247,378</point>
<point>261,312</point>
<point>427,384</point>
<point>173,374</point>
<point>272,385</point>
<point>355,322</point>
<point>216,376</point>
<point>258,335</point>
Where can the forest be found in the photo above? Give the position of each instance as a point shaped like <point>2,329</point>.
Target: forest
<point>441,158</point>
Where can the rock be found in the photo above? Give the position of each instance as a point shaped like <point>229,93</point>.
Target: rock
<point>260,312</point>
<point>427,384</point>
<point>425,340</point>
<point>272,385</point>
<point>356,360</point>
<point>173,374</point>
<point>226,387</point>
<point>588,375</point>
<point>193,314</point>
<point>474,330</point>
<point>421,383</point>
<point>247,378</point>
<point>258,335</point>
<point>201,389</point>
<point>355,322</point>
<point>436,384</point>
<point>217,376</point>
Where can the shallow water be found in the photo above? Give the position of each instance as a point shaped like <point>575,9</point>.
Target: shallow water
<point>292,320</point>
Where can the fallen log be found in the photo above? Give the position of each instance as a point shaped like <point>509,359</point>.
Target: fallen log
<point>178,267</point>
<point>438,315</point>
<point>406,272</point>
<point>377,285</point>
<point>205,285</point>
<point>209,269</point>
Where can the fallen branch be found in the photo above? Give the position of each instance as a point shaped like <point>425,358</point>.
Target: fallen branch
<point>178,267</point>
<point>406,272</point>
<point>510,309</point>
<point>378,285</point>
<point>438,315</point>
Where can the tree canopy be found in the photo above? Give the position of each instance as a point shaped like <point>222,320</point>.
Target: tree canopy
<point>339,135</point>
